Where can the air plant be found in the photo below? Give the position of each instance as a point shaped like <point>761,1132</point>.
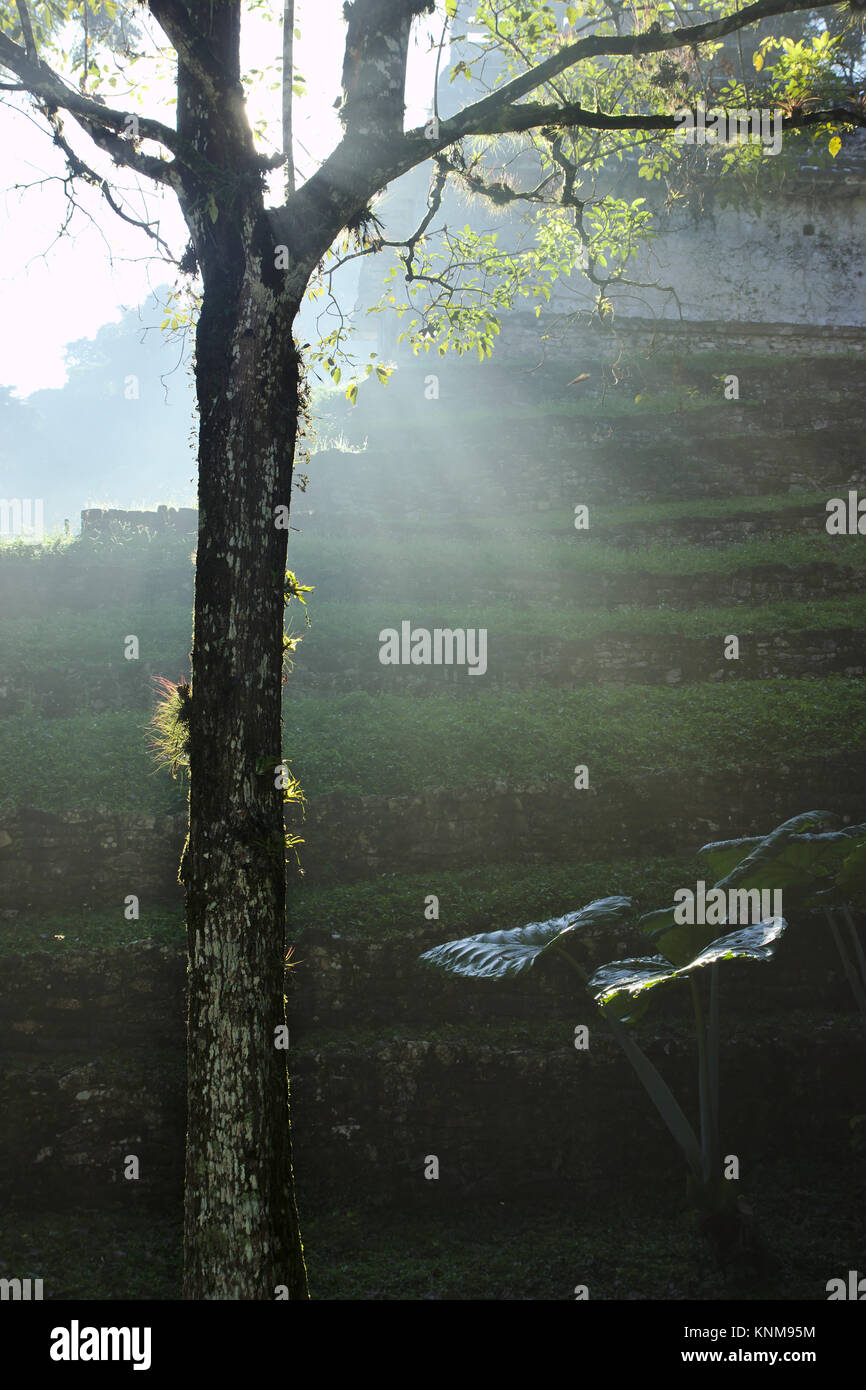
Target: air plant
<point>169,724</point>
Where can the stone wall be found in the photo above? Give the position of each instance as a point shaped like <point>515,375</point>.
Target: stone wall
<point>790,259</point>
<point>515,661</point>
<point>61,862</point>
<point>353,837</point>
<point>106,522</point>
<point>91,1046</point>
<point>560,461</point>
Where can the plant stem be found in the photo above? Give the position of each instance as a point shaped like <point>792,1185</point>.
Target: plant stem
<point>703,1081</point>
<point>713,1042</point>
<point>652,1081</point>
<point>847,964</point>
<point>855,936</point>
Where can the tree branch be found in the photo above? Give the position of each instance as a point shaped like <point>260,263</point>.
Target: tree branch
<point>473,119</point>
<point>216,75</point>
<point>79,169</point>
<point>532,115</point>
<point>47,86</point>
<point>27,30</point>
<point>191,47</point>
<point>360,167</point>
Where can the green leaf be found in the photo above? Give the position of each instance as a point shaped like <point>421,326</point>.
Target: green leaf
<point>633,977</point>
<point>849,883</point>
<point>724,855</point>
<point>851,879</point>
<point>682,941</point>
<point>756,942</point>
<point>785,859</point>
<point>501,955</point>
<point>764,866</point>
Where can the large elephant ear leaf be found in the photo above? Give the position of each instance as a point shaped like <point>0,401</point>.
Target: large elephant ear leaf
<point>785,859</point>
<point>678,942</point>
<point>766,866</point>
<point>849,883</point>
<point>501,955</point>
<point>721,856</point>
<point>757,942</point>
<point>653,923</point>
<point>684,940</point>
<point>808,867</point>
<point>637,977</point>
<point>616,986</point>
<point>803,822</point>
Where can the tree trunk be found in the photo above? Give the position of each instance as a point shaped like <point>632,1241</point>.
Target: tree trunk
<point>241,1237</point>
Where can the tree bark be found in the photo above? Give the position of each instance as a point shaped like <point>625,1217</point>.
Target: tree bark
<point>241,1235</point>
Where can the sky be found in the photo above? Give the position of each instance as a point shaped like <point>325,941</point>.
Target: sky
<point>55,290</point>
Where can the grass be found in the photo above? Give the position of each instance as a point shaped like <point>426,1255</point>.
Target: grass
<point>426,559</point>
<point>615,406</point>
<point>59,933</point>
<point>649,513</point>
<point>481,899</point>
<point>92,646</point>
<point>100,761</point>
<point>95,1254</point>
<point>470,900</point>
<point>363,744</point>
<point>417,566</point>
<point>135,549</point>
<point>623,1246</point>
<point>422,547</point>
<point>138,548</point>
<point>339,629</point>
<point>95,640</point>
<point>533,1246</point>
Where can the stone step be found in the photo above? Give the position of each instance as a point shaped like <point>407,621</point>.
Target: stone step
<point>513,662</point>
<point>608,464</point>
<point>62,861</point>
<point>499,1111</point>
<point>617,658</point>
<point>561,583</point>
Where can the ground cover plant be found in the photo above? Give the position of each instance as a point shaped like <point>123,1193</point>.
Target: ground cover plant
<point>365,744</point>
